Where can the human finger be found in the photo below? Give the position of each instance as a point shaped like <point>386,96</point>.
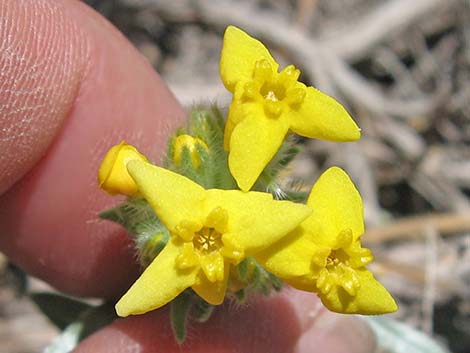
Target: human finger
<point>291,322</point>
<point>72,86</point>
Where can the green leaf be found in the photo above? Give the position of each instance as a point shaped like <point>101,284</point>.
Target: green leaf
<point>396,337</point>
<point>17,279</point>
<point>59,309</point>
<point>90,321</point>
<point>67,340</point>
<point>96,318</point>
<point>179,312</point>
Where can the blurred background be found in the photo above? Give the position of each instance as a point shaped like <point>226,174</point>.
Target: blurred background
<point>402,68</point>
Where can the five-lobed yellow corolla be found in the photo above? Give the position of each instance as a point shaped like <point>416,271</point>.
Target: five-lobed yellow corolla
<point>210,230</point>
<point>267,104</point>
<point>324,254</point>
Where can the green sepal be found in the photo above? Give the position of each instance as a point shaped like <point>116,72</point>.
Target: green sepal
<point>141,222</point>
<point>269,180</point>
<point>286,154</point>
<point>245,269</point>
<point>135,214</point>
<point>265,281</point>
<point>240,295</point>
<point>256,278</point>
<point>207,124</point>
<point>201,310</point>
<point>179,313</point>
<point>150,245</point>
<point>296,195</point>
<point>200,174</point>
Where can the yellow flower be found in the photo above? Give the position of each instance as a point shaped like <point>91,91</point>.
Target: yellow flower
<point>324,254</point>
<point>210,230</point>
<point>267,104</point>
<point>190,143</point>
<point>113,176</point>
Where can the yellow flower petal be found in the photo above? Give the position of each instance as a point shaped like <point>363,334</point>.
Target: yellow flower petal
<point>321,116</point>
<point>255,220</point>
<point>253,143</point>
<point>229,126</point>
<point>371,298</point>
<point>239,55</point>
<point>236,113</point>
<point>113,176</point>
<point>161,282</point>
<point>212,292</point>
<point>337,206</point>
<point>174,198</point>
<point>291,256</point>
<point>213,266</point>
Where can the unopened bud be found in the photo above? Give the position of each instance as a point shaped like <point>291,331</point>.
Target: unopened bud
<point>192,144</point>
<point>113,176</point>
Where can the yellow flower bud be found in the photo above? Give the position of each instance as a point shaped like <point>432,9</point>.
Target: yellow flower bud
<point>113,176</point>
<point>192,144</point>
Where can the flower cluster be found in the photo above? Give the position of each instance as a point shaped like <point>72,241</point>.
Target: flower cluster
<point>203,232</point>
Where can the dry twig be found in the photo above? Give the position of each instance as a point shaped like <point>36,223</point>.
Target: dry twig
<point>412,227</point>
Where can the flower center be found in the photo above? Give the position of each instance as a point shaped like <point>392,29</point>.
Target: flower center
<point>204,246</point>
<point>207,240</point>
<point>272,92</point>
<point>335,258</point>
<point>340,264</point>
<point>276,91</point>
<point>338,273</point>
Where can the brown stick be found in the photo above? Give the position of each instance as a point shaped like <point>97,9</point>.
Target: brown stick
<point>444,224</point>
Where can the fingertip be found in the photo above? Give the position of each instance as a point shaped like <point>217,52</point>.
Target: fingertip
<point>288,323</point>
<point>49,218</point>
<point>339,334</point>
<point>44,57</point>
<point>325,331</point>
<point>263,325</point>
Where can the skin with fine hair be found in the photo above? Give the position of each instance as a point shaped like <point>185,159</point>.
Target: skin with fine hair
<point>72,86</point>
